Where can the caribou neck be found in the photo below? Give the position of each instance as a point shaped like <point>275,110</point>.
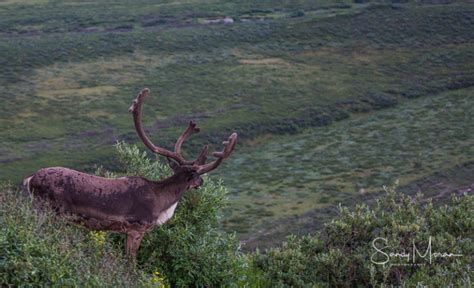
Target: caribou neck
<point>170,190</point>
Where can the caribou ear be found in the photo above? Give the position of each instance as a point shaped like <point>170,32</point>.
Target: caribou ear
<point>173,164</point>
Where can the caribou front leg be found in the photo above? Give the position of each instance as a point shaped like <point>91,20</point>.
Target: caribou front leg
<point>132,243</point>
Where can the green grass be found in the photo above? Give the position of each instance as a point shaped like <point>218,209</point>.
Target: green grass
<point>69,70</point>
<point>281,177</point>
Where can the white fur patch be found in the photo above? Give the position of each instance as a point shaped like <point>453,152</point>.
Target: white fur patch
<point>166,215</point>
<point>26,183</point>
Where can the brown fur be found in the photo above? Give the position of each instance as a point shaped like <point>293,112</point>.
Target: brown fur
<point>131,205</point>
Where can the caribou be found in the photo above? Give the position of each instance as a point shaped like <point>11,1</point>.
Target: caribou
<point>130,205</point>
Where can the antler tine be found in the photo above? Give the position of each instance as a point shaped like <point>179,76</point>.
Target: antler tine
<point>202,156</point>
<point>229,146</point>
<point>136,109</point>
<point>192,129</point>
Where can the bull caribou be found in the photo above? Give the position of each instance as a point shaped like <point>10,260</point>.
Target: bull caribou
<point>130,205</point>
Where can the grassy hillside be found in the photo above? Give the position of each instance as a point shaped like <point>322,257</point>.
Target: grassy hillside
<point>39,249</point>
<point>69,70</point>
<point>282,177</point>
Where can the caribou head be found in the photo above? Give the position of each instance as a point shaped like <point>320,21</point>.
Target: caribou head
<point>131,205</point>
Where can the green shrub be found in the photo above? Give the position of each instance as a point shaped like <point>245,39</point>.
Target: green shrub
<point>38,249</point>
<point>189,249</point>
<point>343,253</point>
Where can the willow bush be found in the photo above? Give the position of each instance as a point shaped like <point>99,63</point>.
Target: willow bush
<point>354,249</point>
<point>189,249</point>
<point>38,249</point>
<point>363,246</point>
